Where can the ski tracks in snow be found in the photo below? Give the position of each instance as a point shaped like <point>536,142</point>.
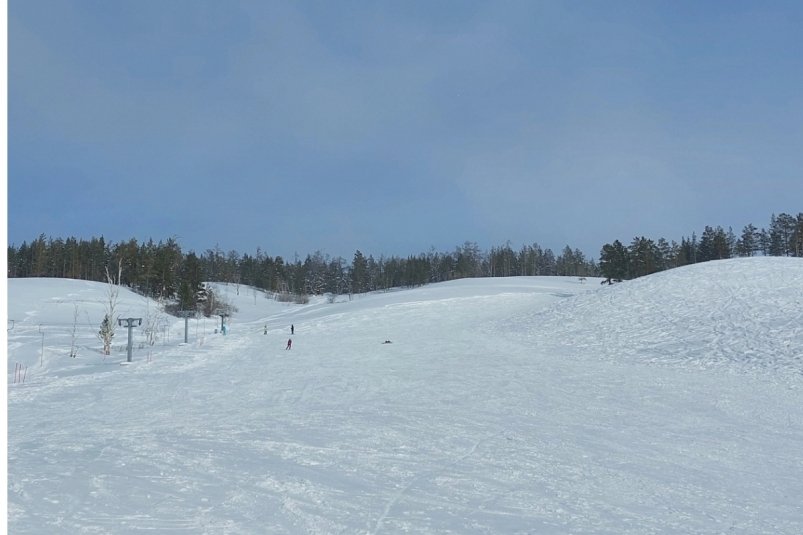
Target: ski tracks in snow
<point>429,474</point>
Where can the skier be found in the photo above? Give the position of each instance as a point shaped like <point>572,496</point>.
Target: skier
<point>292,329</point>
<point>289,343</point>
<point>266,329</point>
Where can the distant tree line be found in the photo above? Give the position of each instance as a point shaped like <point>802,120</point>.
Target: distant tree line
<point>643,256</point>
<point>163,271</point>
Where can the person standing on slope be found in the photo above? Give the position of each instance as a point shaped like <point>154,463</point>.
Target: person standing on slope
<point>289,343</point>
<point>292,329</point>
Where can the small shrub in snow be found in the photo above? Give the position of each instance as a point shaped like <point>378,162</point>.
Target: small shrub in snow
<point>284,297</point>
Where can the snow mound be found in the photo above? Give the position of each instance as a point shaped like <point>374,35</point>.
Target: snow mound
<point>741,313</point>
<point>51,303</point>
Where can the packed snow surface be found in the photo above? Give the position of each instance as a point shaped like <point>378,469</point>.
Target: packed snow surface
<point>668,404</point>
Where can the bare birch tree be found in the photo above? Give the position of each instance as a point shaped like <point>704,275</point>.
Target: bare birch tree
<point>74,333</point>
<point>109,324</point>
<point>152,320</point>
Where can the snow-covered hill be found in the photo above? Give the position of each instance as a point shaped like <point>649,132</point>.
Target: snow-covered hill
<point>668,404</point>
<point>744,313</point>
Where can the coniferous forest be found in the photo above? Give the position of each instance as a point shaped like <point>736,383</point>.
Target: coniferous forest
<point>163,271</point>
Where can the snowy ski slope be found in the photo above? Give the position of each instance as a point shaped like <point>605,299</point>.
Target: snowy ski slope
<point>667,404</point>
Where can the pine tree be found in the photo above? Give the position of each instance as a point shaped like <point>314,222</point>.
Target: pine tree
<point>644,257</point>
<point>797,236</point>
<point>190,283</point>
<point>614,261</point>
<point>781,233</point>
<point>747,244</point>
<point>722,244</point>
<point>359,273</point>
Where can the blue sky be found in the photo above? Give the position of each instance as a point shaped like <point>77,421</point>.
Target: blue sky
<point>394,127</point>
